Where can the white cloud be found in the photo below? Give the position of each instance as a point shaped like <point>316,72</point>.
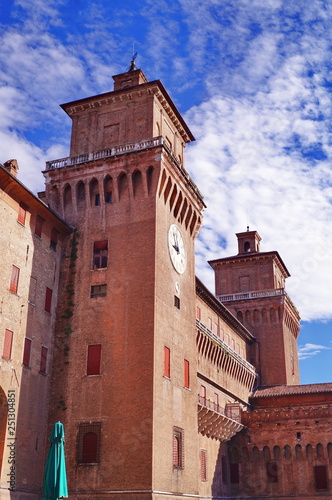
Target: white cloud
<point>309,350</point>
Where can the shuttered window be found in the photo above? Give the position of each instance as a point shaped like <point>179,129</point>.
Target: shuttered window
<point>7,344</point>
<point>39,226</point>
<point>26,352</point>
<point>186,373</point>
<point>14,279</point>
<point>48,299</point>
<point>93,362</point>
<point>167,362</point>
<point>100,254</point>
<point>22,212</point>
<point>43,360</point>
<point>203,464</point>
<point>320,474</point>
<point>178,449</point>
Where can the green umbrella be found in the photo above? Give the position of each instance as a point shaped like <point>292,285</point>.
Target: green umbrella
<point>55,477</point>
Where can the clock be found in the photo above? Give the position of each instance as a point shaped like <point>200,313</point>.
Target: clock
<point>176,249</point>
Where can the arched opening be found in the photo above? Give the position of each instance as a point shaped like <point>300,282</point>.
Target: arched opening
<point>272,315</point>
<point>55,198</point>
<point>266,453</point>
<point>149,178</point>
<point>239,315</point>
<point>108,189</point>
<point>67,200</point>
<point>137,184</point>
<point>298,451</point>
<point>247,246</point>
<point>123,187</point>
<point>94,193</point>
<point>276,452</point>
<point>287,452</point>
<point>80,195</point>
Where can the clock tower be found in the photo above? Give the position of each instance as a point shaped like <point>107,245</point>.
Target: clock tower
<point>123,379</point>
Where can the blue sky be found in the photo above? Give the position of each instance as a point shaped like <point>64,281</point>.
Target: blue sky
<point>252,78</point>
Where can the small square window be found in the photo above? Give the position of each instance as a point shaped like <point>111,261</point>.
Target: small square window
<point>98,291</point>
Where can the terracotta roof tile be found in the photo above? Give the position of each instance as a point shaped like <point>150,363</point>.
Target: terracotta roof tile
<point>287,390</point>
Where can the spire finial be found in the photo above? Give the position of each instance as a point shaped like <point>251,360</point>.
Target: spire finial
<point>132,66</point>
<point>248,228</point>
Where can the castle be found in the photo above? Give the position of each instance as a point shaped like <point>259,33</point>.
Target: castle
<point>165,390</point>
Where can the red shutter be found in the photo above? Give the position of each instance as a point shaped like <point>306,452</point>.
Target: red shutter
<point>43,360</point>
<point>186,374</point>
<point>14,279</point>
<point>38,226</point>
<point>167,364</point>
<point>90,447</point>
<point>7,345</point>
<point>22,211</point>
<point>26,352</point>
<point>203,464</point>
<point>48,299</point>
<point>93,364</point>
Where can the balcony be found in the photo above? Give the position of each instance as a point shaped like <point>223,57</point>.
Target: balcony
<point>217,422</point>
<point>104,153</point>
<point>252,295</point>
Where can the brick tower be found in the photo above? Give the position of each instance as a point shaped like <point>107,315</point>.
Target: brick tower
<point>252,285</point>
<point>125,347</point>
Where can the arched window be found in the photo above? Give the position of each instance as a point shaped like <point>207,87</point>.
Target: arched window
<point>298,451</point>
<point>276,452</point>
<point>247,246</point>
<point>123,187</point>
<point>108,189</point>
<point>88,444</point>
<point>80,195</point>
<point>67,201</point>
<point>287,451</point>
<point>137,184</point>
<point>94,193</point>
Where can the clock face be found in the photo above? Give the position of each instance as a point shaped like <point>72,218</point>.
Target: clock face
<point>176,249</point>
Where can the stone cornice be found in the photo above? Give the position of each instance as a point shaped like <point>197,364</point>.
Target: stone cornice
<point>252,257</point>
<point>154,88</point>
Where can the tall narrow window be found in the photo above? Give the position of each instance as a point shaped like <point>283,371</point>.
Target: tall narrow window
<point>22,212</point>
<point>7,344</point>
<point>48,299</point>
<point>26,352</point>
<point>43,360</point>
<point>54,239</point>
<point>100,254</point>
<point>216,402</point>
<point>203,464</point>
<point>167,362</point>
<point>39,226</point>
<point>178,461</point>
<point>93,361</point>
<point>186,373</point>
<point>320,474</point>
<point>88,444</point>
<point>198,312</point>
<point>14,279</point>
<point>209,325</point>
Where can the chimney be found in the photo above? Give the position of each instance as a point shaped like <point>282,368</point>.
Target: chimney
<point>12,167</point>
